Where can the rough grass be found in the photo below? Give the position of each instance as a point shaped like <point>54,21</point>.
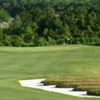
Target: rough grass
<point>78,83</point>
<point>73,84</point>
<point>94,92</point>
<point>45,62</point>
<point>87,88</point>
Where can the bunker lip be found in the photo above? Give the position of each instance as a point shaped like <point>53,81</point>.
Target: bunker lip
<point>36,83</point>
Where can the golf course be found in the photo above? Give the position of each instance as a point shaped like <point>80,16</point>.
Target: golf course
<point>51,63</point>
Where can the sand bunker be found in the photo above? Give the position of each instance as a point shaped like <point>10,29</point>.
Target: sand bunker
<point>36,83</point>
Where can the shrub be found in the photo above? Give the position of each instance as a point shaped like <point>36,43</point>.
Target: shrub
<point>97,43</point>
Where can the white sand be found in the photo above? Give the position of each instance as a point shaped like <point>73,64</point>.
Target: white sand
<point>36,83</point>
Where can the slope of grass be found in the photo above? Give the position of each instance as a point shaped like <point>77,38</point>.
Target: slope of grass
<point>44,62</point>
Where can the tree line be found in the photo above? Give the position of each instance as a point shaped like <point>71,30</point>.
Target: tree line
<point>50,22</point>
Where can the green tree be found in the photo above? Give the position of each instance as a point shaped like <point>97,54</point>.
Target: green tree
<point>4,16</point>
<point>17,22</point>
<point>29,34</point>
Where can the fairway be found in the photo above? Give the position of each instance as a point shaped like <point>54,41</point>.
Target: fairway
<point>45,62</point>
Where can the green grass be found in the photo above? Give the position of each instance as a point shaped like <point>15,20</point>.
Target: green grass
<point>45,62</point>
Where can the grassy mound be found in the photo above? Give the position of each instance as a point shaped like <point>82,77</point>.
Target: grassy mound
<point>89,84</point>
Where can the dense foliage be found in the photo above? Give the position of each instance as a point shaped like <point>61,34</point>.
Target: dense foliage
<point>50,22</point>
